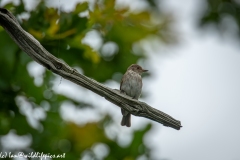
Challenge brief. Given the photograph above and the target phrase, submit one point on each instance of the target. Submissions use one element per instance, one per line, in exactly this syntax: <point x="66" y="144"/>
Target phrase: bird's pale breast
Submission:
<point x="132" y="84"/>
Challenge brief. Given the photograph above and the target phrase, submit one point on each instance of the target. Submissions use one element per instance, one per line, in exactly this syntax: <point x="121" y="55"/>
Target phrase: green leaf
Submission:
<point x="80" y="7"/>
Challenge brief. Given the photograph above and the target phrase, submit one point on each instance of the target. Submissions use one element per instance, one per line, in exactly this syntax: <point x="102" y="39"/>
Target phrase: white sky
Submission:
<point x="198" y="84"/>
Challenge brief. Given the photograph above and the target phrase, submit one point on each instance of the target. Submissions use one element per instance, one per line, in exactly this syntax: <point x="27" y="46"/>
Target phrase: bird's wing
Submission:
<point x="121" y="82"/>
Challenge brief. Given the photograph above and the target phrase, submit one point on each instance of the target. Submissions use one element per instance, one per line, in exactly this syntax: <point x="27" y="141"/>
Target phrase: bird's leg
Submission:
<point x="122" y="92"/>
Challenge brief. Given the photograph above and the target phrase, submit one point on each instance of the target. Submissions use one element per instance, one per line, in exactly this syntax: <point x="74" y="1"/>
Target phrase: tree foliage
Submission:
<point x="216" y="11"/>
<point x="21" y="98"/>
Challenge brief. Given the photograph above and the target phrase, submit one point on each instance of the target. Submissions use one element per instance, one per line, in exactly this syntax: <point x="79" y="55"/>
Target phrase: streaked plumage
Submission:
<point x="131" y="85"/>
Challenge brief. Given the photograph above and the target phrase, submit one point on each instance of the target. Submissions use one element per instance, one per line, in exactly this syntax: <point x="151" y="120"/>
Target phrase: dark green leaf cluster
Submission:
<point x="216" y="11"/>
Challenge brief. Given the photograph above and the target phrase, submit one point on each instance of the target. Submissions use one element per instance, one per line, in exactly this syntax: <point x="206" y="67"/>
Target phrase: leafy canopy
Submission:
<point x="24" y="98"/>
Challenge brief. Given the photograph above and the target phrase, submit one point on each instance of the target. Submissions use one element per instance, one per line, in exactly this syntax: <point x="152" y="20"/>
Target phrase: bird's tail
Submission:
<point x="126" y="119"/>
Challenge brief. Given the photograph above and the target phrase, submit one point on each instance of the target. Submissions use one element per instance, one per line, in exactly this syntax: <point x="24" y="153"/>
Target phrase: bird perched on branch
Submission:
<point x="131" y="85"/>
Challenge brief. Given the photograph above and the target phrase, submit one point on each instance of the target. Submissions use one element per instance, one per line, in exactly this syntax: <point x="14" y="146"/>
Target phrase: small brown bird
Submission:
<point x="131" y="85"/>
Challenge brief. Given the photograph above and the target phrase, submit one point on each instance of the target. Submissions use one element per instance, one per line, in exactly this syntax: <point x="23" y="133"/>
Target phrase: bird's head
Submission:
<point x="136" y="68"/>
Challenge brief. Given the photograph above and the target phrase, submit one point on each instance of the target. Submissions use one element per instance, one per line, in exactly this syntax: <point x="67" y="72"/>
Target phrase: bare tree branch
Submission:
<point x="38" y="53"/>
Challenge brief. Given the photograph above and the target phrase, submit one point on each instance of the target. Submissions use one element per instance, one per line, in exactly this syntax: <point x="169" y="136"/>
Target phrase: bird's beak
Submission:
<point x="144" y="70"/>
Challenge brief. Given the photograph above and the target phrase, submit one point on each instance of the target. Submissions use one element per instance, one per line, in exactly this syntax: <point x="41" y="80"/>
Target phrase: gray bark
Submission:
<point x="39" y="54"/>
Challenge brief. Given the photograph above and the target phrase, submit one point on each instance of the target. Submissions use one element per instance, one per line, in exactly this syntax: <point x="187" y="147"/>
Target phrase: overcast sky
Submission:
<point x="198" y="84"/>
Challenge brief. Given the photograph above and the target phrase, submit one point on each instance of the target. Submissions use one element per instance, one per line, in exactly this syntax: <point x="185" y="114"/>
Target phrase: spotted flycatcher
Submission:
<point x="131" y="85"/>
